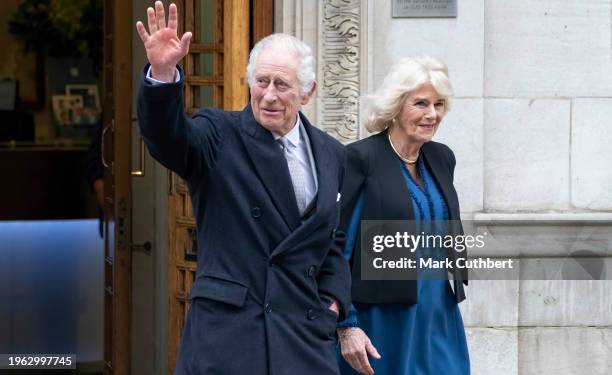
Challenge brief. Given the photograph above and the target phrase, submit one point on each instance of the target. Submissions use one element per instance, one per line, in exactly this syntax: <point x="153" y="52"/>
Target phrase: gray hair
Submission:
<point x="306" y="69"/>
<point x="406" y="76"/>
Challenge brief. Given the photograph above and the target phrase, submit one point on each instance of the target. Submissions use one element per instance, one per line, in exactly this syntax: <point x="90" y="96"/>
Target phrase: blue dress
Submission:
<point x="426" y="338"/>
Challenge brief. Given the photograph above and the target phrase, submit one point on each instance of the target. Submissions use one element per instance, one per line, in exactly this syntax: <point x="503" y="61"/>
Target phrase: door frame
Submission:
<point x="116" y="142"/>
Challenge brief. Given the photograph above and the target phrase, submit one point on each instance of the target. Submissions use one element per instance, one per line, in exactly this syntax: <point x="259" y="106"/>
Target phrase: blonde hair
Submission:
<point x="407" y="75"/>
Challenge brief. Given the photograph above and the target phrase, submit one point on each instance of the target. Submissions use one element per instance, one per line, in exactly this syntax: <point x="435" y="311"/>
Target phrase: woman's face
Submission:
<point x="421" y="114"/>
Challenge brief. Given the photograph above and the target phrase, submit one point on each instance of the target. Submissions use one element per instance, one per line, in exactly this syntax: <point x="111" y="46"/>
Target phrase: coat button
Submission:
<point x="337" y="235"/>
<point x="256" y="212"/>
<point x="268" y="308"/>
<point x="311" y="314"/>
<point x="312" y="270"/>
<point x="274" y="262"/>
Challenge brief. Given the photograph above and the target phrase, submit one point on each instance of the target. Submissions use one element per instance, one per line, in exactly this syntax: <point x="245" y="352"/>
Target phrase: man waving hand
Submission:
<point x="271" y="280"/>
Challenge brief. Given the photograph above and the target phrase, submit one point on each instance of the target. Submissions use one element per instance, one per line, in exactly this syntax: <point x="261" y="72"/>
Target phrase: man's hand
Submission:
<point x="355" y="347"/>
<point x="164" y="48"/>
<point x="335" y="307"/>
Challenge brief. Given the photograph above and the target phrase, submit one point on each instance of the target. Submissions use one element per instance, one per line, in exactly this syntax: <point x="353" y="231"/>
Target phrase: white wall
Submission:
<point x="533" y="81"/>
<point x="530" y="128"/>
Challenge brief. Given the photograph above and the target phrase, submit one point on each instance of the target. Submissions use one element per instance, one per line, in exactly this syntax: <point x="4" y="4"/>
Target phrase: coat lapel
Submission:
<point x="439" y="173"/>
<point x="322" y="159"/>
<point x="325" y="196"/>
<point x="396" y="202"/>
<point x="271" y="166"/>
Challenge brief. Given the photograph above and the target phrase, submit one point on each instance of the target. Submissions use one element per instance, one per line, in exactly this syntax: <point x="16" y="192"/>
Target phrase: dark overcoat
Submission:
<point x="372" y="168"/>
<point x="262" y="269"/>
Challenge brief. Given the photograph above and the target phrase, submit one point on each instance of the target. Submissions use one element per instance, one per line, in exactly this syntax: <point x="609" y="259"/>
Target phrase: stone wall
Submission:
<point x="530" y="127"/>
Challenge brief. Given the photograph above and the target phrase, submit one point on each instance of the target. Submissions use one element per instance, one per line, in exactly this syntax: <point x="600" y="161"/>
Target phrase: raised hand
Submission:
<point x="164" y="48"/>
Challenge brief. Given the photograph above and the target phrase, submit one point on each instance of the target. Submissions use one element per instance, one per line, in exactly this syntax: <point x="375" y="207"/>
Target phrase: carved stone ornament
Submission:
<point x="339" y="105"/>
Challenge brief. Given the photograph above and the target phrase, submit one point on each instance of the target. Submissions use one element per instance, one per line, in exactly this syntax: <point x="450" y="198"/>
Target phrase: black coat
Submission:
<point x="257" y="306"/>
<point x="372" y="167"/>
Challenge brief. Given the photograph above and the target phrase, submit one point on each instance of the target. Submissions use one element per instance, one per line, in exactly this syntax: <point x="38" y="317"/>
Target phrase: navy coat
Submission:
<point x="372" y="167"/>
<point x="256" y="301"/>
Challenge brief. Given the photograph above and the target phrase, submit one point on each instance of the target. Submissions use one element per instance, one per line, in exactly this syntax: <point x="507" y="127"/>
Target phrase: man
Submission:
<point x="271" y="280"/>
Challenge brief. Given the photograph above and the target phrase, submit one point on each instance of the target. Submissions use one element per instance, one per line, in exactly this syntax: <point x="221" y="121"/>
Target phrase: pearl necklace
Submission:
<point x="405" y="160"/>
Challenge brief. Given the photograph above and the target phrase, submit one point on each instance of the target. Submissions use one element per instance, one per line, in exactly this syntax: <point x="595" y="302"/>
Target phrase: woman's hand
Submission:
<point x="164" y="48"/>
<point x="355" y="346"/>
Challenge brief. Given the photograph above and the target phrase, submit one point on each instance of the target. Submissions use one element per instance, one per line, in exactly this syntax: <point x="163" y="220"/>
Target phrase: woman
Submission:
<point x="400" y="174"/>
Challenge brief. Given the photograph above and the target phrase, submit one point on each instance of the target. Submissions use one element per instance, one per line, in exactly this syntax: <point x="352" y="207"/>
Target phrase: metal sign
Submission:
<point x="424" y="8"/>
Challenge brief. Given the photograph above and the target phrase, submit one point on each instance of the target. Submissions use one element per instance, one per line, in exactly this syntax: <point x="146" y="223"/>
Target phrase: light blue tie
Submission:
<point x="298" y="177"/>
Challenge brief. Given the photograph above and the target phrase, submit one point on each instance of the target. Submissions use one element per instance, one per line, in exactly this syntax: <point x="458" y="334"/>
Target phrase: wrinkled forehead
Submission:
<point x="273" y="59"/>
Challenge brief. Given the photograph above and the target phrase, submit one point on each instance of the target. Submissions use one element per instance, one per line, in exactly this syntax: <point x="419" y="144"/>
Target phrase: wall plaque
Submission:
<point x="424" y="8"/>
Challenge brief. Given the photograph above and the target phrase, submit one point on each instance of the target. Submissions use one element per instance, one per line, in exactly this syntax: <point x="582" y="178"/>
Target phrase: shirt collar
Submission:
<point x="293" y="137"/>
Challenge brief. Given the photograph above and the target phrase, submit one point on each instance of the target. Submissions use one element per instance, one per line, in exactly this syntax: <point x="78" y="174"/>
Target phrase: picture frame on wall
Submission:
<point x="89" y="113"/>
<point x="88" y="92"/>
<point x="64" y="107"/>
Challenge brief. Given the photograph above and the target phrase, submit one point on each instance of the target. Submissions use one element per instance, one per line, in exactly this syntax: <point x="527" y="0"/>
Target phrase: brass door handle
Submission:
<point x="140" y="172"/>
<point x="110" y="165"/>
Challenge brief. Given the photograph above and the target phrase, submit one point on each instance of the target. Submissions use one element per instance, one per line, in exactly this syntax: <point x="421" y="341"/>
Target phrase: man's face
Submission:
<point x="275" y="92"/>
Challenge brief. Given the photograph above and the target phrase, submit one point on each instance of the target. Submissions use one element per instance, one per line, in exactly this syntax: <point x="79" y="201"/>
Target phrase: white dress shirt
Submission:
<point x="177" y="77"/>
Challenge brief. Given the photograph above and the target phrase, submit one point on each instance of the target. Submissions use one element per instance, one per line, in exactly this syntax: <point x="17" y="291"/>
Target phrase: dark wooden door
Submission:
<point x="116" y="150"/>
